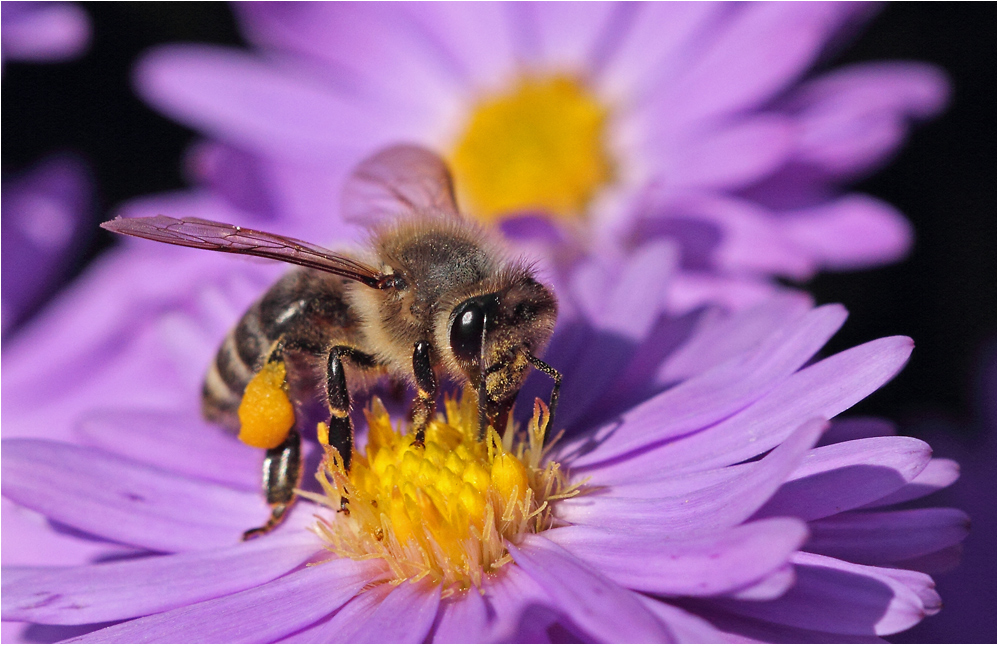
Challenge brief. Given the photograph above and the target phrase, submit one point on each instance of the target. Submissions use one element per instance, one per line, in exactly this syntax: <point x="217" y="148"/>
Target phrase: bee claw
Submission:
<point x="278" y="512"/>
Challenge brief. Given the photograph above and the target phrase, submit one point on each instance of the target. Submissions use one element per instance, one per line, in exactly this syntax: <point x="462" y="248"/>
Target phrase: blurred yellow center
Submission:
<point x="539" y="147"/>
<point x="444" y="510"/>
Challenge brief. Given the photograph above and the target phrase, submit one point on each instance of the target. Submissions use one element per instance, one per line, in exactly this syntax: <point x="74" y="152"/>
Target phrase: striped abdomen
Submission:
<point x="308" y="309"/>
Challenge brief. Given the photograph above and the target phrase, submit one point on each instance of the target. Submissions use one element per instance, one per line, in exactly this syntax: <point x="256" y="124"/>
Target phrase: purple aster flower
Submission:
<point x="699" y="494"/>
<point x="43" y="31"/>
<point x="45" y="226"/>
<point x="623" y="121"/>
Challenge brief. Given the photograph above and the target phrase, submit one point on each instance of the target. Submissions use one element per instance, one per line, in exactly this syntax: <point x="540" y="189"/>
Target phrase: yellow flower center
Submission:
<point x="539" y="147"/>
<point x="443" y="510"/>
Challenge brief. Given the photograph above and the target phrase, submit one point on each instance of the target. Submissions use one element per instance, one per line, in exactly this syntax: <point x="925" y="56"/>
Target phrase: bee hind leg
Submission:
<point x="282" y="474"/>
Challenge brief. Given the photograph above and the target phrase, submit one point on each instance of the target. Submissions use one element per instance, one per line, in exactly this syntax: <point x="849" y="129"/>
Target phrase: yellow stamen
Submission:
<point x="265" y="412"/>
<point x="443" y="510"/>
<point x="539" y="147"/>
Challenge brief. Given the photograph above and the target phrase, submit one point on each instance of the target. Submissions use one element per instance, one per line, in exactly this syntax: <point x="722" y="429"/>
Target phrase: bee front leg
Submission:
<point x="553" y="402"/>
<point x="426" y="389"/>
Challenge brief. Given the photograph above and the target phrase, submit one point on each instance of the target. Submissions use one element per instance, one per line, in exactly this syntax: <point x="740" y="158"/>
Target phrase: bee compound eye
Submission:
<point x="467" y="326"/>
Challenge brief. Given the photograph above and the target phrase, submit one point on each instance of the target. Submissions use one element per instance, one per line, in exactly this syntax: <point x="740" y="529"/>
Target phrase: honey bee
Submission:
<point x="434" y="295"/>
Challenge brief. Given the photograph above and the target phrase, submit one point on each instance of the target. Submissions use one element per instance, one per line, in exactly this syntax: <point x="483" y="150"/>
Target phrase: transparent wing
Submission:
<point x="398" y="180"/>
<point x="228" y="238"/>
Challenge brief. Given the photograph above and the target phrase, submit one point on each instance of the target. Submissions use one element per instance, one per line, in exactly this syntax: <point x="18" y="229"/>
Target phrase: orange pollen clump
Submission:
<point x="265" y="412"/>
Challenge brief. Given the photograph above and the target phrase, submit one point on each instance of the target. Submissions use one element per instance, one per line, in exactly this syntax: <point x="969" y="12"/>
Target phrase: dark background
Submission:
<point x="943" y="180"/>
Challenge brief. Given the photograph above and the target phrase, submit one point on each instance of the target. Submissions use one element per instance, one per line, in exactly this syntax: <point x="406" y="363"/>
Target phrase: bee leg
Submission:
<point x="553" y="402"/>
<point x="341" y="430"/>
<point x="426" y="390"/>
<point x="282" y="474"/>
<point x="341" y="436"/>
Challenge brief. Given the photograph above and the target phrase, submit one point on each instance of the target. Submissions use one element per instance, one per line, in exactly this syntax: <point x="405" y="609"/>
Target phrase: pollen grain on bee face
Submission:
<point x="443" y="510"/>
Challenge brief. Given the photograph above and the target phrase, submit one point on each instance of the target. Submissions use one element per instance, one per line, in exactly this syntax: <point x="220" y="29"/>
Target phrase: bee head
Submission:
<point x="492" y="336"/>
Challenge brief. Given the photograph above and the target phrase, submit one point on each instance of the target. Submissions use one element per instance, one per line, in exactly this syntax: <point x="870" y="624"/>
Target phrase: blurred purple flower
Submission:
<point x="45" y="226"/>
<point x="716" y="138"/>
<point x="682" y="534"/>
<point x="43" y="31"/>
<point x="46" y="209"/>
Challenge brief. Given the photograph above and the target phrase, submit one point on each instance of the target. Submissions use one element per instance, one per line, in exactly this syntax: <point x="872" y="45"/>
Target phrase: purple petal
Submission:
<point x="732" y="156"/>
<point x="181" y="443"/>
<point x="723" y="390"/>
<point x="754" y="631"/>
<point x="853" y="118"/>
<point x="656" y="47"/>
<point x="603" y="609"/>
<point x="236" y="175"/>
<point x="262" y="614"/>
<point x="608" y="298"/>
<point x="690" y="290"/>
<point x="823" y="389"/>
<point x="511" y="597"/>
<point x="838" y="597"/>
<point x="851" y="232"/>
<point x="570" y="34"/>
<point x="739" y="236"/>
<point x="693" y="505"/>
<point x="919" y="583"/>
<point x="463" y="619"/>
<point x="48" y="31"/>
<point x="688" y="628"/>
<point x="372" y="53"/>
<point x="719" y="563"/>
<point x="723" y="337"/>
<point x="261" y="107"/>
<point x="848" y="475"/>
<point x="883" y="538"/>
<point x="939" y="473"/>
<point x="942" y="562"/>
<point x="772" y="586"/>
<point x="754" y="55"/>
<point x="120" y="590"/>
<point x="124" y="501"/>
<point x="479" y="37"/>
<point x="620" y="316"/>
<point x="404" y="617"/>
<point x="345" y="622"/>
<point x="29" y="539"/>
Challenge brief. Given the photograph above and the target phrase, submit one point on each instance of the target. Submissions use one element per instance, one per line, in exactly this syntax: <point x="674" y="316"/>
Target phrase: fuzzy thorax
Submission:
<point x="445" y="510"/>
